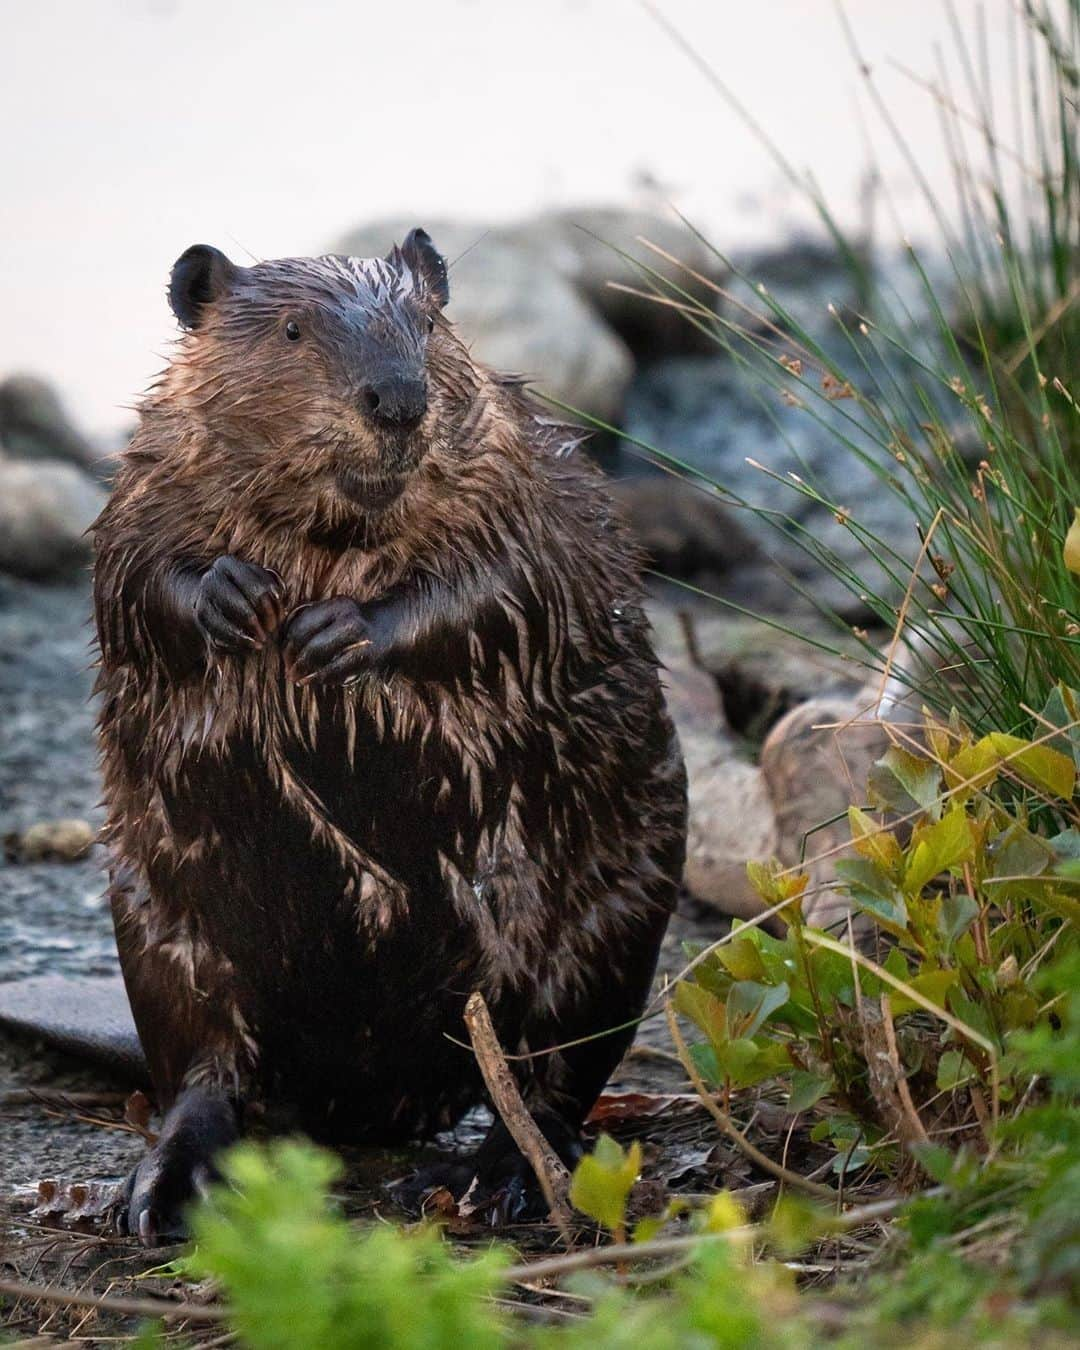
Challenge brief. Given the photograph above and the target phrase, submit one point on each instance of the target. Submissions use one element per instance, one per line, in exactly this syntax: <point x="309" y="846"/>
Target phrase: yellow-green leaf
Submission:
<point x="975" y="765"/>
<point x="1042" y="767"/>
<point x="603" y="1179"/>
<point x="871" y="841"/>
<point x="741" y="959"/>
<point x="933" y="985"/>
<point x="723" y="1213"/>
<point x="940" y="847"/>
<point x="1071" y="552"/>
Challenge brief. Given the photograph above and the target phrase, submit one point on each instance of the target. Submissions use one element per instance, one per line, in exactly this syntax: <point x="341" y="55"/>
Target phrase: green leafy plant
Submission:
<point x="295" y="1275"/>
<point x="966" y="890"/>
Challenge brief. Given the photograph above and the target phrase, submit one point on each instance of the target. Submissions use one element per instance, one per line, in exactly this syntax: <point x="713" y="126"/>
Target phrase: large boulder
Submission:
<point x="601" y="250"/>
<point x="46" y="507"/>
<point x="517" y="313"/>
<point x="815" y="764"/>
<point x="684" y="532"/>
<point x="731" y="814"/>
<point x="35" y="425"/>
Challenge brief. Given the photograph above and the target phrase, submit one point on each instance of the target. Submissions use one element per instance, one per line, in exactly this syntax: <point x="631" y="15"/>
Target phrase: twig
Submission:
<point x="671" y="1246"/>
<point x="550" y="1170"/>
<point x="123" y="1307"/>
<point x="55" y="1097"/>
<point x="732" y="1131"/>
<point x="916" y="1130"/>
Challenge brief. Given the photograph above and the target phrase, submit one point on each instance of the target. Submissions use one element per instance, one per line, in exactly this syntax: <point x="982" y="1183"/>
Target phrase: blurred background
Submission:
<point x="137" y="127"/>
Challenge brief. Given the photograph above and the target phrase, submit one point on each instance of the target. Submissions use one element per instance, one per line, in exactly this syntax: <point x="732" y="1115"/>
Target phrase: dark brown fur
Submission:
<point x="308" y="879"/>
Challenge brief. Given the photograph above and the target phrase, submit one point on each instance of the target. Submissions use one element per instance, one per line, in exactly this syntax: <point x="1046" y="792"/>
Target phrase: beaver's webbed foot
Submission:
<point x="201" y="1123"/>
<point x="496" y="1183"/>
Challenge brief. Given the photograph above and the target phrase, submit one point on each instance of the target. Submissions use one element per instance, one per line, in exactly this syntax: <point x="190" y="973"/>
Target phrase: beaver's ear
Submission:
<point x="200" y="275"/>
<point x="426" y="261"/>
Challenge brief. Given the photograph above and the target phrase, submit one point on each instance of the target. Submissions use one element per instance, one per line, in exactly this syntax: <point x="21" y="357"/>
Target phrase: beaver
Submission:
<point x="380" y="725"/>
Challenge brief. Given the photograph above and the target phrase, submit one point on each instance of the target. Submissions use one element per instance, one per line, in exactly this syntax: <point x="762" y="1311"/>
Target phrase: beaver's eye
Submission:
<point x="431" y="325"/>
<point x="292" y="331"/>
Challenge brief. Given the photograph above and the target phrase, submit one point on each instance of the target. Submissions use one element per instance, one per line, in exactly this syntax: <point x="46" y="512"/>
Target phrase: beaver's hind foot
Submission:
<point x="496" y="1183"/>
<point x="200" y="1125"/>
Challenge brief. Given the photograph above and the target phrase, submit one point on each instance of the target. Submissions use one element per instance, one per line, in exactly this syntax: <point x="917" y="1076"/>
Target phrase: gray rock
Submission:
<point x="761" y="672"/>
<point x="65" y="840"/>
<point x="517" y="313"/>
<point x="46" y="507"/>
<point x="35" y="425"/>
<point x="588" y="246"/>
<point x="684" y="532"/>
<point x="89" y="1018"/>
<point x="706" y="412"/>
<point x="815" y="764"/>
<point x="731" y="816"/>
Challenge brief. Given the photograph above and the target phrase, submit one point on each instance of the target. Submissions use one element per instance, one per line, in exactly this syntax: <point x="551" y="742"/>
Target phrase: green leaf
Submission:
<point x="1062" y="709"/>
<point x="749" y="1004"/>
<point x="1048" y="770"/>
<point x="849" y="1159"/>
<point x="874" y="893"/>
<point x="744" y="1062"/>
<point x="603" y="1179"/>
<point x="932" y="984"/>
<point x="896" y="964"/>
<point x="807" y="1088"/>
<point x="1066" y="846"/>
<point x="919" y="777"/>
<point x="936" y="1159"/>
<point x="953" y="1070"/>
<point x="940" y="847"/>
<point x="955" y="917"/>
<point x="705" y="1061"/>
<point x="1019" y="858"/>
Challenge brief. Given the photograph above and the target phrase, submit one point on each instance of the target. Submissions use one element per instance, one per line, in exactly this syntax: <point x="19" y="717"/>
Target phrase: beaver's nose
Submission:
<point x="397" y="401"/>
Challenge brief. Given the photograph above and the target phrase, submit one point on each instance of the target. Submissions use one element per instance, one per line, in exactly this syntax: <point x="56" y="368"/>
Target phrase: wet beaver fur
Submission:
<point x="380" y="725"/>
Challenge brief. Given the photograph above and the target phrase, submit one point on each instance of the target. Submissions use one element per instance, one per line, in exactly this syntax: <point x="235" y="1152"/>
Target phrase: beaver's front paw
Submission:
<point x="334" y="641"/>
<point x="238" y="605"/>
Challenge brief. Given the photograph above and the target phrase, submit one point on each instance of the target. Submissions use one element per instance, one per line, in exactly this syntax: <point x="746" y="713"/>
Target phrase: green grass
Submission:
<point x="966" y="412"/>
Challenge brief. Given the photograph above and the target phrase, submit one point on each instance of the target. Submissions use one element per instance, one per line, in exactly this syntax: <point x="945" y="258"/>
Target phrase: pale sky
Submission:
<point x="136" y="127"/>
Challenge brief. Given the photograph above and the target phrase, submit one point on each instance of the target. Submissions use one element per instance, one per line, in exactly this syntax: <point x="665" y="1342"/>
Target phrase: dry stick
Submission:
<point x="55" y="1096"/>
<point x="550" y="1171"/>
<point x="646" y="1251"/>
<point x="916" y="1129"/>
<point x="729" y="1127"/>
<point x="124" y="1307"/>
